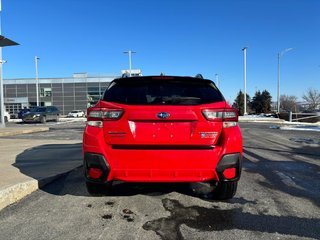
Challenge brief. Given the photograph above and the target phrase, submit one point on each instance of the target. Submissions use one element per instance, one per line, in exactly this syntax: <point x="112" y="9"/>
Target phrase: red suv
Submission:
<point x="162" y="129"/>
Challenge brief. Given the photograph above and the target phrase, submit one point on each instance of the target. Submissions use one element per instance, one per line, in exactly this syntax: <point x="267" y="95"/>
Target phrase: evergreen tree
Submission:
<point x="266" y="101"/>
<point x="261" y="102"/>
<point x="256" y="103"/>
<point x="238" y="102"/>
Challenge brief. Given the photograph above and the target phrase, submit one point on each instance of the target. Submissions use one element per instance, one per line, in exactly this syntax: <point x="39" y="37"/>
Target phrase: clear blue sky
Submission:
<point x="177" y="37"/>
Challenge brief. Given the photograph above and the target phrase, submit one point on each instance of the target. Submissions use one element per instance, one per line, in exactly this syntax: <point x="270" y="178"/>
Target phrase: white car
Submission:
<point x="76" y="113"/>
<point x="6" y="116"/>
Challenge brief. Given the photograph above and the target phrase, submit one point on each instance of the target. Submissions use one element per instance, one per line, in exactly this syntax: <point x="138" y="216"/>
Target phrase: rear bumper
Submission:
<point x="160" y="173"/>
<point x="154" y="166"/>
<point x="160" y="164"/>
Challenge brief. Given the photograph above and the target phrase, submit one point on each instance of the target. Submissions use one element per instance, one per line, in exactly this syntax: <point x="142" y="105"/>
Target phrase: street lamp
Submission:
<point x="37" y="79"/>
<point x="4" y="42"/>
<point x="278" y="95"/>
<point x="245" y="80"/>
<point x="129" y="53"/>
<point x="217" y="80"/>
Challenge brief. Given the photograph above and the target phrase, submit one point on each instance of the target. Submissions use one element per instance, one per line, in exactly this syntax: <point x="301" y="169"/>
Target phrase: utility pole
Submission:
<point x="217" y="80"/>
<point x="130" y="53"/>
<point x="278" y="94"/>
<point x="1" y="89"/>
<point x="37" y="79"/>
<point x="245" y="80"/>
<point x="4" y="42"/>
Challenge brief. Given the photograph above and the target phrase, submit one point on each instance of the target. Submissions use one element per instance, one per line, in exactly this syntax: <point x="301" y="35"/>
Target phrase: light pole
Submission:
<point x="1" y="91"/>
<point x="129" y="53"/>
<point x="37" y="79"/>
<point x="217" y="80"/>
<point x="4" y="42"/>
<point x="245" y="80"/>
<point x="278" y="94"/>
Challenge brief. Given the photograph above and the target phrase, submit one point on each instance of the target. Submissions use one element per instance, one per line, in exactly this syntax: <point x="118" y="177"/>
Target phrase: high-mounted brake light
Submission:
<point x="228" y="116"/>
<point x="162" y="77"/>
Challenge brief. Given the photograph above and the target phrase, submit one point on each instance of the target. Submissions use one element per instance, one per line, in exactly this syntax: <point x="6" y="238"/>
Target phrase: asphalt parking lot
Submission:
<point x="277" y="198"/>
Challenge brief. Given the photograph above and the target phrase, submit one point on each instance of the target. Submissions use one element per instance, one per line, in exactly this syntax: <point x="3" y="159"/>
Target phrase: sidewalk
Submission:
<point x="28" y="164"/>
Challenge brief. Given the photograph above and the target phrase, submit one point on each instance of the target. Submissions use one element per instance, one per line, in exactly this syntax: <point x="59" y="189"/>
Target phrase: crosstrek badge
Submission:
<point x="208" y="134"/>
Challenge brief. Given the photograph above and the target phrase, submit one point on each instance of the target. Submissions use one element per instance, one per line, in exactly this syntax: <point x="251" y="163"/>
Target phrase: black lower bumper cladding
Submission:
<point x="229" y="161"/>
<point x="93" y="160"/>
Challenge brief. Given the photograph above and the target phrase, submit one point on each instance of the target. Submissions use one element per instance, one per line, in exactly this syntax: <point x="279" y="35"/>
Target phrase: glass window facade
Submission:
<point x="66" y="94"/>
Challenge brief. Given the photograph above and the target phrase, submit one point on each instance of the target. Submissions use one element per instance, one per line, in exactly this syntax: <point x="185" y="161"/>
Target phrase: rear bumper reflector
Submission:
<point x="95" y="173"/>
<point x="230" y="173"/>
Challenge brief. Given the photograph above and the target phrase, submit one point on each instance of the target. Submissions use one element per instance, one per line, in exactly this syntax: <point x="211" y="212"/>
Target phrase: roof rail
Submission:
<point x="199" y="76"/>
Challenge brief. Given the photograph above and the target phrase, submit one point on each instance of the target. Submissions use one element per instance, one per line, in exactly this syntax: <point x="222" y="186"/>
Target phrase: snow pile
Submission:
<point x="280" y="123"/>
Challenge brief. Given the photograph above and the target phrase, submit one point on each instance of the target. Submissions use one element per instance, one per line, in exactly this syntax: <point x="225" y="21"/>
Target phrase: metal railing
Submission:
<point x="304" y="116"/>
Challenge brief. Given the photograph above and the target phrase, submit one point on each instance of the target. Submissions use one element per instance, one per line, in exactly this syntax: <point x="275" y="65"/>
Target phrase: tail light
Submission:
<point x="97" y="116"/>
<point x="228" y="116"/>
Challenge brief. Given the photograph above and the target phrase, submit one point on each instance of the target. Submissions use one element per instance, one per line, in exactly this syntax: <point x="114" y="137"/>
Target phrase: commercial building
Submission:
<point x="77" y="92"/>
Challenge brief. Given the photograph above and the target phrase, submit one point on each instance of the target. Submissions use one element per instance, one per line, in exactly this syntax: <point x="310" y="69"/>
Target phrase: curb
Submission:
<point x="12" y="132"/>
<point x="262" y="120"/>
<point x="16" y="192"/>
<point x="13" y="194"/>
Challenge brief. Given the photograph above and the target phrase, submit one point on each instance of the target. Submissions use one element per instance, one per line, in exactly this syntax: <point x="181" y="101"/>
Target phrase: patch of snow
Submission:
<point x="283" y="125"/>
<point x="301" y="128"/>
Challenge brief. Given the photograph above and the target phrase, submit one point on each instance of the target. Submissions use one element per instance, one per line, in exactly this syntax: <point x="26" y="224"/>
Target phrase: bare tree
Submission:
<point x="312" y="97"/>
<point x="288" y="103"/>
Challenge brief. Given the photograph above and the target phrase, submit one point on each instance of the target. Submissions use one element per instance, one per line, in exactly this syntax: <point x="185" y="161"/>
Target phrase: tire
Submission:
<point x="43" y="119"/>
<point x="225" y="190"/>
<point x="98" y="189"/>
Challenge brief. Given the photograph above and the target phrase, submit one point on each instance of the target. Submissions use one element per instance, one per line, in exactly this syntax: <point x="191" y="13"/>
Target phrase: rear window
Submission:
<point x="158" y="92"/>
<point x="41" y="109"/>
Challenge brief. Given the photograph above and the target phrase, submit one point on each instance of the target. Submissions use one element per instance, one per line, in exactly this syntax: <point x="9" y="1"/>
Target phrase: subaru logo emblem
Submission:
<point x="163" y="115"/>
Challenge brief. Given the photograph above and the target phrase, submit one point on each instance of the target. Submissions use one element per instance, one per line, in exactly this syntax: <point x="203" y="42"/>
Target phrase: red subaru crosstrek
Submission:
<point x="162" y="129"/>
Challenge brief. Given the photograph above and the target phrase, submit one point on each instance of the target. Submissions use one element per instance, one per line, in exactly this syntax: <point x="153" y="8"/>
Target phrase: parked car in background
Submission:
<point x="22" y="112"/>
<point x="42" y="114"/>
<point x="76" y="113"/>
<point x="14" y="115"/>
<point x="163" y="129"/>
